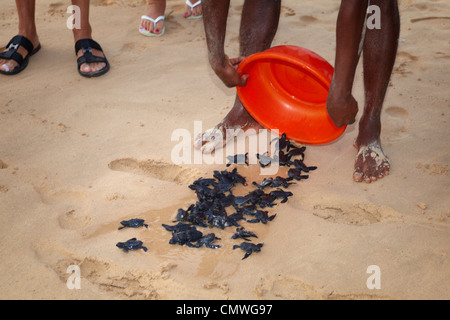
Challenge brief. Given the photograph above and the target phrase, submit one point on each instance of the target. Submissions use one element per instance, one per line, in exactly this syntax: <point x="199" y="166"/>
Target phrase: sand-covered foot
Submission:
<point x="220" y="135"/>
<point x="212" y="139"/>
<point x="371" y="163"/>
<point x="236" y="122"/>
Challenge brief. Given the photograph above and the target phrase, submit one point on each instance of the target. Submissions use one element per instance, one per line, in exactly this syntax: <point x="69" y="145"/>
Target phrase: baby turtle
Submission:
<point x="249" y="248"/>
<point x="131" y="245"/>
<point x="281" y="194"/>
<point x="206" y="241"/>
<point x="133" y="223"/>
<point x="280" y="182"/>
<point x="293" y="152"/>
<point x="180" y="227"/>
<point x="283" y="159"/>
<point x="185" y="237"/>
<point x="300" y="165"/>
<point x="223" y="221"/>
<point x="296" y="174"/>
<point x="238" y="159"/>
<point x="282" y="142"/>
<point x="267" y="182"/>
<point x="243" y="234"/>
<point x="227" y="177"/>
<point x="264" y="159"/>
<point x="261" y="216"/>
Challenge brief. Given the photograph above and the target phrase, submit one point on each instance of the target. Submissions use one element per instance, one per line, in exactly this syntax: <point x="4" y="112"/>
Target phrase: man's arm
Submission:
<point x="215" y="15"/>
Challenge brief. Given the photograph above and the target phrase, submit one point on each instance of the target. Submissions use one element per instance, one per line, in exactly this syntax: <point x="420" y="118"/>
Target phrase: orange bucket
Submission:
<point x="287" y="90"/>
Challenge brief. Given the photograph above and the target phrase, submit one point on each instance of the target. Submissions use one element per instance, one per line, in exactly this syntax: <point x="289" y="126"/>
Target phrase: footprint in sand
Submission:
<point x="135" y="48"/>
<point x="105" y="3"/>
<point x="292" y="288"/>
<point x="72" y="220"/>
<point x="57" y="8"/>
<point x="358" y="214"/>
<point x="157" y="169"/>
<point x="115" y="280"/>
<point x="308" y="19"/>
<point x="285" y="287"/>
<point x="402" y="64"/>
<point x="3" y="165"/>
<point x="287" y="12"/>
<point x="394" y="121"/>
<point x="101" y="273"/>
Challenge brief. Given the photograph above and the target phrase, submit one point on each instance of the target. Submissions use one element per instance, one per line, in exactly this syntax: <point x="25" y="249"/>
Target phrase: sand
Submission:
<point x="79" y="155"/>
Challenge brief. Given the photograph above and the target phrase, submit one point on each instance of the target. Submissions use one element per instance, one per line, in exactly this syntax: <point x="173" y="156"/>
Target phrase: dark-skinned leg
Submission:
<point x="259" y="23"/>
<point x="27" y="28"/>
<point x="85" y="32"/>
<point x="341" y="104"/>
<point x="380" y="49"/>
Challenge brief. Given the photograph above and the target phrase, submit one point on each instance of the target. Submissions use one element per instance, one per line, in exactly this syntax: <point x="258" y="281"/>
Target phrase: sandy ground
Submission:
<point x="79" y="155"/>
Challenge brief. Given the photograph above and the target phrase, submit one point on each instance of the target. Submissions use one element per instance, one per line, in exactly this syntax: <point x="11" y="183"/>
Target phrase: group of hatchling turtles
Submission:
<point x="215" y="195"/>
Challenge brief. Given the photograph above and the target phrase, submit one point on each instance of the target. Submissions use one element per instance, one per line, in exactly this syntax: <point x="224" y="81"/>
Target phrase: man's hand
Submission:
<point x="229" y="74"/>
<point x="341" y="108"/>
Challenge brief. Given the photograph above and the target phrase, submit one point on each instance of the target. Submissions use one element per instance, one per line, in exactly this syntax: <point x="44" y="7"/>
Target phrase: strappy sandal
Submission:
<point x="86" y="45"/>
<point x="147" y="33"/>
<point x="12" y="54"/>
<point x="192" y="6"/>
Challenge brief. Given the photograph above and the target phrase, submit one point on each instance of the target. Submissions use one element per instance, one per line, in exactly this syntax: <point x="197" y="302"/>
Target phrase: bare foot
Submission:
<point x="155" y="9"/>
<point x="238" y="120"/>
<point x="371" y="163"/>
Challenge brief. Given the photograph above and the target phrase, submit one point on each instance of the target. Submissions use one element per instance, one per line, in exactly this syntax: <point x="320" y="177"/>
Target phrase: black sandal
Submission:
<point x="87" y="45"/>
<point x="12" y="54"/>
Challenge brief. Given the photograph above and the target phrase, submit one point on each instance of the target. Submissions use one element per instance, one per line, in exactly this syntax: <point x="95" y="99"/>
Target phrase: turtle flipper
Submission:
<point x="247" y="253"/>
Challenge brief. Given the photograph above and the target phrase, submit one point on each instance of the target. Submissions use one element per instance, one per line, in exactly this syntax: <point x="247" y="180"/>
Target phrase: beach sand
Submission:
<point x="79" y="155"/>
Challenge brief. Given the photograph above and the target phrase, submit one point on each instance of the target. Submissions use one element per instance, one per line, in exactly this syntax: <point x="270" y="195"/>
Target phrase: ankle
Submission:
<point x="369" y="131"/>
<point x="82" y="33"/>
<point x="30" y="33"/>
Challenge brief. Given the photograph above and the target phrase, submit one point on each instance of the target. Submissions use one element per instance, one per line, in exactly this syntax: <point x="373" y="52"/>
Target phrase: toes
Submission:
<point x="4" y="67"/>
<point x="357" y="176"/>
<point x="367" y="177"/>
<point x="147" y="25"/>
<point x="370" y="175"/>
<point x="209" y="147"/>
<point x="92" y="67"/>
<point x="7" y="65"/>
<point x="198" y="141"/>
<point x="210" y="140"/>
<point x="197" y="11"/>
<point x="86" y="68"/>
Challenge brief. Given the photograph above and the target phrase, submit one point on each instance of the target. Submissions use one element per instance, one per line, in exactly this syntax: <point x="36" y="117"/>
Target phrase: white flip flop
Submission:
<point x="192" y="6"/>
<point x="147" y="33"/>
